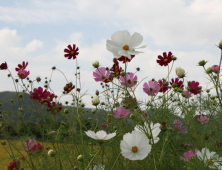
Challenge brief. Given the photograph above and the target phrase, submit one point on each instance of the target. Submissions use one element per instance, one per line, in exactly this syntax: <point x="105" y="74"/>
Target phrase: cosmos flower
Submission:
<point x="202" y="119"/>
<point x="178" y="125"/>
<point x="98" y="167"/>
<point x="211" y="159"/>
<point x="68" y="88"/>
<point x="72" y="51"/>
<point x="178" y="83"/>
<point x="100" y="135"/>
<point x="116" y="70"/>
<point x="121" y="112"/>
<point x="135" y="146"/>
<point x="14" y="165"/>
<point x="129" y="80"/>
<point x="165" y="60"/>
<point x="180" y="72"/>
<point x="23" y="73"/>
<point x="151" y="88"/>
<point x="155" y="130"/>
<point x="163" y="87"/>
<point x="123" y="44"/>
<point x="101" y="74"/>
<point x="194" y="87"/>
<point x="187" y="94"/>
<point x="21" y="67"/>
<point x="125" y="59"/>
<point x="3" y="66"/>
<point x="215" y="68"/>
<point x="28" y="145"/>
<point x="188" y="155"/>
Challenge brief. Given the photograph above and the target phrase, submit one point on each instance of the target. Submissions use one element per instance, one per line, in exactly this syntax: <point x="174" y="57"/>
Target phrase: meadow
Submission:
<point x="177" y="127"/>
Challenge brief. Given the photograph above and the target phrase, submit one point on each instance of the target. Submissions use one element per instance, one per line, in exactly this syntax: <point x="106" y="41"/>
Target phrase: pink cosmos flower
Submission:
<point x="178" y="125"/>
<point x="130" y="78"/>
<point x="215" y="68"/>
<point x="23" y="74"/>
<point x="28" y="145"/>
<point x="52" y="132"/>
<point x="187" y="94"/>
<point x="203" y="119"/>
<point x="21" y="67"/>
<point x="188" y="155"/>
<point x="121" y="112"/>
<point x="151" y="88"/>
<point x="101" y="74"/>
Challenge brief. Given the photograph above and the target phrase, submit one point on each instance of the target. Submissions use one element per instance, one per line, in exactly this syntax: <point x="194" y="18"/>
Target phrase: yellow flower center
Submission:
<point x="72" y="52"/>
<point x="151" y="89"/>
<point x="126" y="47"/>
<point x="121" y="115"/>
<point x="210" y="162"/>
<point x="116" y="67"/>
<point x="22" y="74"/>
<point x="134" y="149"/>
<point x="165" y="60"/>
<point x="39" y="95"/>
<point x="69" y="89"/>
<point x="117" y="73"/>
<point x="22" y="68"/>
<point x="129" y="81"/>
<point x="103" y="77"/>
<point x="204" y="121"/>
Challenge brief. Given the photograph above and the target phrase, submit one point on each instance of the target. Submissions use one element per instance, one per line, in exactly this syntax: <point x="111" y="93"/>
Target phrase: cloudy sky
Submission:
<point x="37" y="31"/>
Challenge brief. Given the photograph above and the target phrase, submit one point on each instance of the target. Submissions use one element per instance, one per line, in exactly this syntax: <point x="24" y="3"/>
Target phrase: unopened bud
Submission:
<point x="209" y="70"/>
<point x="95" y="64"/>
<point x="52" y="153"/>
<point x="80" y="158"/>
<point x="202" y="63"/>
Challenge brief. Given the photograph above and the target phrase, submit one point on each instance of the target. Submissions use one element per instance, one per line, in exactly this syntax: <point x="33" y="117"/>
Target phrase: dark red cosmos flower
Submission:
<point x="42" y="96"/>
<point x="165" y="60"/>
<point x="72" y="52"/>
<point x="14" y="165"/>
<point x="115" y="69"/>
<point x="21" y="67"/>
<point x="123" y="59"/>
<point x="68" y="88"/>
<point x="163" y="87"/>
<point x="194" y="87"/>
<point x="37" y="148"/>
<point x="54" y="108"/>
<point x="178" y="82"/>
<point x="3" y="66"/>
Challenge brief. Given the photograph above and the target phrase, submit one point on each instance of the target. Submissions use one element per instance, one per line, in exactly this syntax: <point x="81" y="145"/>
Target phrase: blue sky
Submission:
<point x="37" y="31"/>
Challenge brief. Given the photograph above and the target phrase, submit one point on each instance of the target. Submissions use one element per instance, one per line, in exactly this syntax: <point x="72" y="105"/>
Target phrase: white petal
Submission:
<point x="109" y="136"/>
<point x="91" y="134"/>
<point x="134" y="52"/>
<point x="136" y="39"/>
<point x="123" y="53"/>
<point x="101" y="134"/>
<point x="143" y="46"/>
<point x="121" y="38"/>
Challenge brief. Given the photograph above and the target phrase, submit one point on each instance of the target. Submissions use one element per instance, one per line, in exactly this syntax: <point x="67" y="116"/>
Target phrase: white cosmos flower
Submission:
<point x="146" y="130"/>
<point x="100" y="135"/>
<point x="98" y="167"/>
<point x="135" y="146"/>
<point x="123" y="44"/>
<point x="211" y="159"/>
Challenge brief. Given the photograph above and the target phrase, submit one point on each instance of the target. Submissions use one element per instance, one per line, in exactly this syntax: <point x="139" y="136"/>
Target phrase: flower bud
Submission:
<point x="132" y="116"/>
<point x="138" y="69"/>
<point x="220" y="44"/>
<point x="93" y="111"/>
<point x="209" y="70"/>
<point x="174" y="58"/>
<point x="215" y="68"/>
<point x="20" y="95"/>
<point x="208" y="90"/>
<point x="80" y="158"/>
<point x="180" y="72"/>
<point x="163" y="126"/>
<point x="38" y="79"/>
<point x="3" y="142"/>
<point x="202" y="63"/>
<point x="12" y="101"/>
<point x="174" y="85"/>
<point x="95" y="64"/>
<point x="95" y="100"/>
<point x="123" y="73"/>
<point x="51" y="153"/>
<point x="66" y="111"/>
<point x="53" y="68"/>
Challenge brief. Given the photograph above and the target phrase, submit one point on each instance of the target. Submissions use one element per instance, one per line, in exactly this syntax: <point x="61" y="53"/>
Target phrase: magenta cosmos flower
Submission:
<point x="23" y="74"/>
<point x="151" y="88"/>
<point x="163" y="87"/>
<point x="28" y="145"/>
<point x="42" y="96"/>
<point x="178" y="125"/>
<point x="21" y="67"/>
<point x="194" y="87"/>
<point x="101" y="74"/>
<point x="178" y="83"/>
<point x="187" y="94"/>
<point x="215" y="68"/>
<point x="121" y="112"/>
<point x="72" y="51"/>
<point x="202" y="119"/>
<point x="129" y="80"/>
<point x="188" y="155"/>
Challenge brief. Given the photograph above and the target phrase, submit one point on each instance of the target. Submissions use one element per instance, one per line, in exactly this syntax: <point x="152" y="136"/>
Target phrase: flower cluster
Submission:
<point x="22" y="73"/>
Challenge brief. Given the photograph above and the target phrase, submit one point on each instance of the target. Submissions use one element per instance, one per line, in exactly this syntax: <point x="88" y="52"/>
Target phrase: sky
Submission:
<point x="38" y="31"/>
